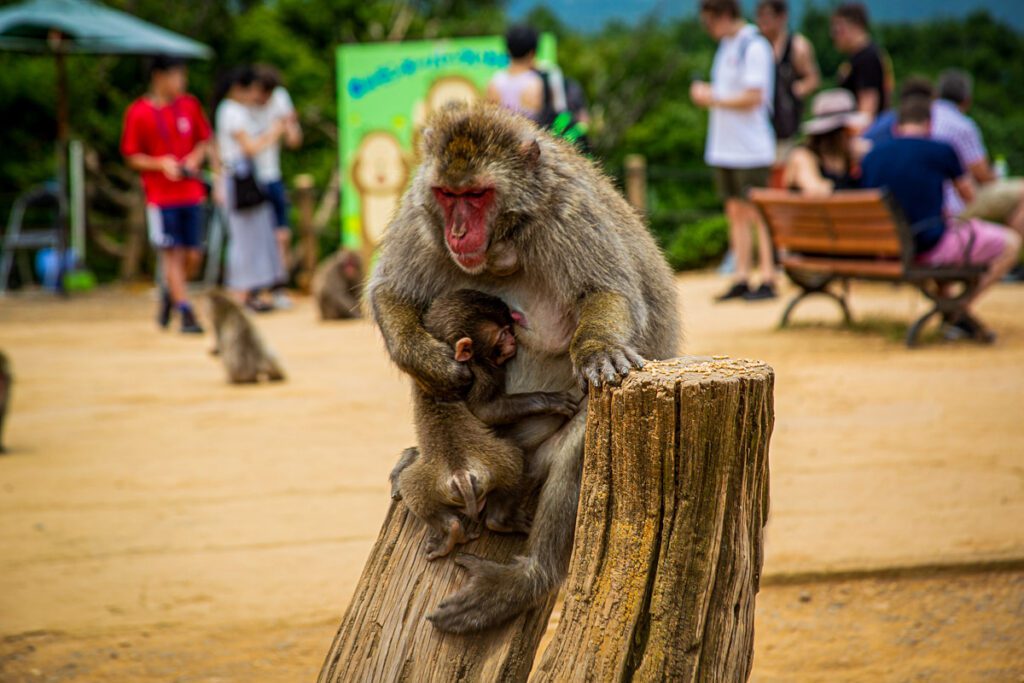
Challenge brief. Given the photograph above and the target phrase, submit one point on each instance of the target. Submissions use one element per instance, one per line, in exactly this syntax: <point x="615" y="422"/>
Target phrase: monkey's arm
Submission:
<point x="600" y="348"/>
<point x="430" y="362"/>
<point x="511" y="408"/>
<point x="407" y="458"/>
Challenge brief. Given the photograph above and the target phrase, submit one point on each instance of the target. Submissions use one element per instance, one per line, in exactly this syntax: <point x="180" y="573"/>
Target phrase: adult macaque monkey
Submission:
<point x="591" y="290"/>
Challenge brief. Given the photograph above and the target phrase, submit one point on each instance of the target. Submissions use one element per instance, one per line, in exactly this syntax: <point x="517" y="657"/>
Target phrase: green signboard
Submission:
<point x="385" y="93"/>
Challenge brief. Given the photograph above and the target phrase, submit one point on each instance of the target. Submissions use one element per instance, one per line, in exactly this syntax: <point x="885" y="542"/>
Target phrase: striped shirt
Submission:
<point x="955" y="128"/>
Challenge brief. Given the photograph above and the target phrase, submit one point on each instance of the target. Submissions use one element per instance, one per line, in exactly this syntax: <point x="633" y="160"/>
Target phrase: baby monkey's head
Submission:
<point x="478" y="326"/>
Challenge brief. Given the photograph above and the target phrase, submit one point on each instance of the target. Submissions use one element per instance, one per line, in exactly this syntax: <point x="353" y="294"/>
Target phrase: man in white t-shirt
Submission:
<point x="273" y="103"/>
<point x="741" y="141"/>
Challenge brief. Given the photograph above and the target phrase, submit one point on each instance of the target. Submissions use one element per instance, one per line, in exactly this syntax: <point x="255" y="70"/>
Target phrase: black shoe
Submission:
<point x="258" y="305"/>
<point x="739" y="290"/>
<point x="189" y="324"/>
<point x="163" y="315"/>
<point x="1015" y="275"/>
<point x="966" y="327"/>
<point x="765" y="291"/>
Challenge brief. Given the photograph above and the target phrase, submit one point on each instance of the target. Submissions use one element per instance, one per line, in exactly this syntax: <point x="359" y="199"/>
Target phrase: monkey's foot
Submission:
<point x="509" y="521"/>
<point x="439" y="544"/>
<point x="608" y="366"/>
<point x="494" y="594"/>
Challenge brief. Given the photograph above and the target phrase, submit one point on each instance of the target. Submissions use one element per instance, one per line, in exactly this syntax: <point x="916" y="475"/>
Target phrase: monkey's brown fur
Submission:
<point x="462" y="465"/>
<point x="246" y="357"/>
<point x="337" y="285"/>
<point x="596" y="293"/>
<point x="6" y="381"/>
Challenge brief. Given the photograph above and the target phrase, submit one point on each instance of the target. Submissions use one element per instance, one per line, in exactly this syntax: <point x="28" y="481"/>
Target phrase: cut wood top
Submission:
<point x="698" y="369"/>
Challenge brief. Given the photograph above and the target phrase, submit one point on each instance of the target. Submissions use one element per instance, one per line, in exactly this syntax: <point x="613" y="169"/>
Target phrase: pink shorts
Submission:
<point x="989" y="243"/>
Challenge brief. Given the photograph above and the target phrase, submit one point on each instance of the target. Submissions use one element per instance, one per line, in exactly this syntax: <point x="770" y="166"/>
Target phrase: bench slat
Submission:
<point x="880" y="269"/>
<point x="838" y="232"/>
<point x="846" y="247"/>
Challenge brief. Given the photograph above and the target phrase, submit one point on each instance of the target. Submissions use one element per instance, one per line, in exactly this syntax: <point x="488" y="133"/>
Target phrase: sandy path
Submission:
<point x="143" y="494"/>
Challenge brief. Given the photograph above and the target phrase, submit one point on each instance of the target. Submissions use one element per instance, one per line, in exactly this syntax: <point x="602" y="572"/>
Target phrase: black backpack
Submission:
<point x="788" y="111"/>
<point x="561" y="123"/>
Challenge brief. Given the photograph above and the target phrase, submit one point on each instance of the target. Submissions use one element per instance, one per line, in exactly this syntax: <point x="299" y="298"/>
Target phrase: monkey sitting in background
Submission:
<point x="6" y="379"/>
<point x="246" y="357"/>
<point x="337" y="285"/>
<point x="462" y="464"/>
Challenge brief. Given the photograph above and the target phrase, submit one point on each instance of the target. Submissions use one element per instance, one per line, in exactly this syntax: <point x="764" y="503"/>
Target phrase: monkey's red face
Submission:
<point x="467" y="213"/>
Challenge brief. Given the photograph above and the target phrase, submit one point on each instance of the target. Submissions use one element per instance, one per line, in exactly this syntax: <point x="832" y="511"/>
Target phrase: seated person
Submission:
<point x="997" y="200"/>
<point x="825" y="161"/>
<point x="1000" y="200"/>
<point x="913" y="168"/>
<point x="884" y="127"/>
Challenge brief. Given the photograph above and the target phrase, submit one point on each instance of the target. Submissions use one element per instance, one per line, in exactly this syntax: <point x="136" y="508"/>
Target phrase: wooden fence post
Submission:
<point x="636" y="181"/>
<point x="668" y="550"/>
<point x="310" y="248"/>
<point x="665" y="567"/>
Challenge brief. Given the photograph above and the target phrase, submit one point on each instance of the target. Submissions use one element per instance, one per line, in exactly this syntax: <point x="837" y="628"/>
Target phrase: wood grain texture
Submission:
<point x="668" y="549"/>
<point x="384" y="636"/>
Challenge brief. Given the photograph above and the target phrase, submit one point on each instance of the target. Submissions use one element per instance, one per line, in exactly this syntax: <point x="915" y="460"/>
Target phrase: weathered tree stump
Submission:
<point x="385" y="637"/>
<point x="668" y="549"/>
<point x="665" y="567"/>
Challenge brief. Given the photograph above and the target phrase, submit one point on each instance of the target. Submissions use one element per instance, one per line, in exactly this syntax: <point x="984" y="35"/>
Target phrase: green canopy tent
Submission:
<point x="64" y="27"/>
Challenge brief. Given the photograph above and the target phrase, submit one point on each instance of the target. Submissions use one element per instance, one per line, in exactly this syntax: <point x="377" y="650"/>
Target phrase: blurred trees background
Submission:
<point x="636" y="76"/>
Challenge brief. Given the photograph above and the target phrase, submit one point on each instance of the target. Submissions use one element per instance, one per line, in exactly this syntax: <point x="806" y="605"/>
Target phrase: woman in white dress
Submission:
<point x="253" y="260"/>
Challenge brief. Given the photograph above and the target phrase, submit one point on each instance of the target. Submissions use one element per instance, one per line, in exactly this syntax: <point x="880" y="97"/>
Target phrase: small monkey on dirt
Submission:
<point x="462" y="464"/>
<point x="338" y="284"/>
<point x="246" y="357"/>
<point x="6" y="379"/>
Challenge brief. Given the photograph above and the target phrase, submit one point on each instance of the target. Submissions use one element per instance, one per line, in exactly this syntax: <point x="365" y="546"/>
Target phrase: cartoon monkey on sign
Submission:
<point x="379" y="172"/>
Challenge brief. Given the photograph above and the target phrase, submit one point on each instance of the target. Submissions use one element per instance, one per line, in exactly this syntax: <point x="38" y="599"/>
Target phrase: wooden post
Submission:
<point x="636" y="181"/>
<point x="310" y="247"/>
<point x="666" y="563"/>
<point x="668" y="550"/>
<point x="384" y="636"/>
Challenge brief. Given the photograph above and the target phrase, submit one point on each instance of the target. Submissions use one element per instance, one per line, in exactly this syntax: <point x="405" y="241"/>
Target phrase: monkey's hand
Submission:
<point x="599" y="364"/>
<point x="407" y="458"/>
<point x="428" y="361"/>
<point x="564" y="403"/>
<point x="494" y="594"/>
<point x="438" y="373"/>
<point x="600" y="348"/>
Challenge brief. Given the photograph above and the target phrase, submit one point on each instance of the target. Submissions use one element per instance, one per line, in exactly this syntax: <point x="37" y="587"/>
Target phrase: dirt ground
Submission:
<point x="157" y="524"/>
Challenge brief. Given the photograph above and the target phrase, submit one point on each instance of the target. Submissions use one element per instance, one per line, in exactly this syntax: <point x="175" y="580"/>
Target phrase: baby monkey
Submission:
<point x="461" y="464"/>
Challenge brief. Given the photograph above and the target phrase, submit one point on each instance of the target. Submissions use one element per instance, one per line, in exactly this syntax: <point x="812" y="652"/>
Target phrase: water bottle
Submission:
<point x="1000" y="167"/>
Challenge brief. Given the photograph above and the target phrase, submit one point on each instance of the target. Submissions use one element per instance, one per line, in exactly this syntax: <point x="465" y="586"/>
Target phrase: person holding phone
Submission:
<point x="166" y="138"/>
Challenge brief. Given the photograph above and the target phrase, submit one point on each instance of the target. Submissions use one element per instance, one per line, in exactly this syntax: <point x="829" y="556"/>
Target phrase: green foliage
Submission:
<point x="698" y="243"/>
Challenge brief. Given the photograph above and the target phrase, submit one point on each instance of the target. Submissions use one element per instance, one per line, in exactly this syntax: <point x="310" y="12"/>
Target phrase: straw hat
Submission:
<point x="831" y="110"/>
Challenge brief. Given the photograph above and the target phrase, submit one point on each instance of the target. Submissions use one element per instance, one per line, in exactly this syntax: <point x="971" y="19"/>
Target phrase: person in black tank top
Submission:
<point x="796" y="69"/>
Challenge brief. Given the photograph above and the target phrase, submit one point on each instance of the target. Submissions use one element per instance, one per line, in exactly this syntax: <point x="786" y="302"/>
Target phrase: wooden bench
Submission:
<point x="856" y="234"/>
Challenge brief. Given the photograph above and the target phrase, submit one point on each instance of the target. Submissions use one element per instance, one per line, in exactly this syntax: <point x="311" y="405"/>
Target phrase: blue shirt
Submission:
<point x="913" y="170"/>
<point x="882" y="130"/>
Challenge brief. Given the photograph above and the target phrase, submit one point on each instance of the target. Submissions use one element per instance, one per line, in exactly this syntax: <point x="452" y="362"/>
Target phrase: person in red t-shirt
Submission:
<point x="166" y="139"/>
